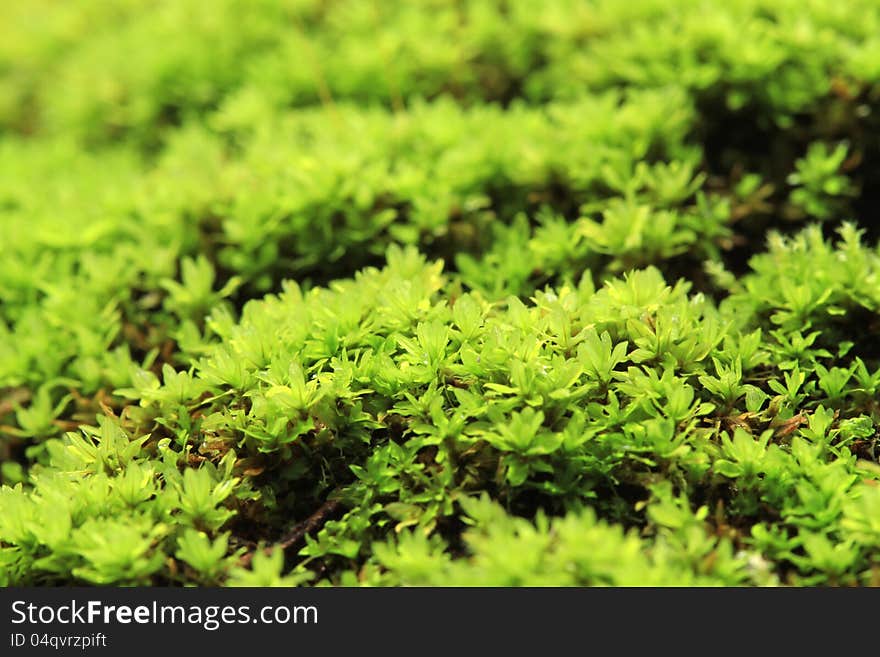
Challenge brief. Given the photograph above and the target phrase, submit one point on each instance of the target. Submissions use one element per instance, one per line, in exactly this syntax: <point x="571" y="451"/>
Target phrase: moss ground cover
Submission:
<point x="298" y="292"/>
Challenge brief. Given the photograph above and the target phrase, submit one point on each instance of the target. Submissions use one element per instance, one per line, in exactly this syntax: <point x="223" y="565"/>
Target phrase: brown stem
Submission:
<point x="298" y="532"/>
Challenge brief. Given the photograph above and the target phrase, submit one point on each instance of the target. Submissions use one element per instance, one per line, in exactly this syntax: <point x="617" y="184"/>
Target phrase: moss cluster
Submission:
<point x="448" y="292"/>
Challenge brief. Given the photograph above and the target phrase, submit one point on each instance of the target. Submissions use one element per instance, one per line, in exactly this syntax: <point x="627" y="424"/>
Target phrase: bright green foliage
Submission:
<point x="817" y="181"/>
<point x="443" y="293"/>
<point x="576" y="550"/>
<point x="805" y="282"/>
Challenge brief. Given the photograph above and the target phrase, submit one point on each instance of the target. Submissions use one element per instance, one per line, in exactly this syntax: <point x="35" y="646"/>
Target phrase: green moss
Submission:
<point x="443" y="293"/>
